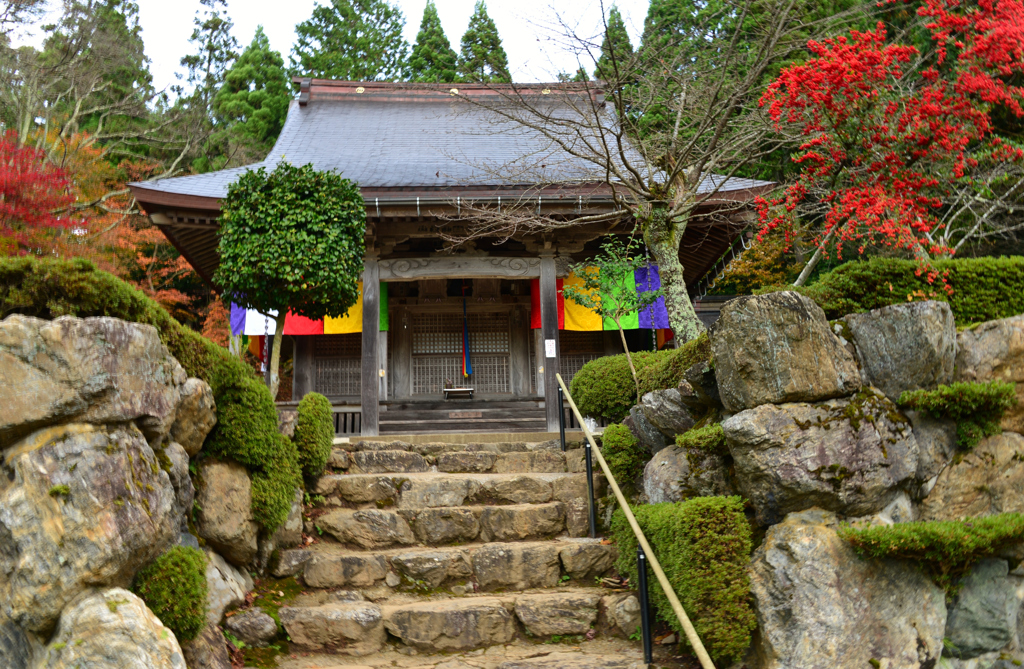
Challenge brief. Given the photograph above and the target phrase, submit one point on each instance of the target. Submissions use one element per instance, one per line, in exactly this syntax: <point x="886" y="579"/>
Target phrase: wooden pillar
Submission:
<point x="302" y="378"/>
<point x="550" y="349"/>
<point x="382" y="354"/>
<point x="538" y="358"/>
<point x="370" y="378"/>
<point x="519" y="352"/>
<point x="401" y="357"/>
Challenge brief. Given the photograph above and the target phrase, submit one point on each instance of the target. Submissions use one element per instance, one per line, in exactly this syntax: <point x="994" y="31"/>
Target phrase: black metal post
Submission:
<point x="590" y="491"/>
<point x="561" y="416"/>
<point x="645" y="609"/>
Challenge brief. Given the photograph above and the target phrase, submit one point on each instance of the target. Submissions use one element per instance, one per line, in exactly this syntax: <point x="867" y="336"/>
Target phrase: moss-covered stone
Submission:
<point x="314" y="433"/>
<point x="174" y="588"/>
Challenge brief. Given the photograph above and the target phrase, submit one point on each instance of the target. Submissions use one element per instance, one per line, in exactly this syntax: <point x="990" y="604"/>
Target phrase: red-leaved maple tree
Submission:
<point x="884" y="137"/>
<point x="33" y="192"/>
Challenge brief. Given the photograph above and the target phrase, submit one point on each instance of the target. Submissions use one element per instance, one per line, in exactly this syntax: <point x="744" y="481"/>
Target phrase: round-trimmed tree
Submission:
<point x="291" y="240"/>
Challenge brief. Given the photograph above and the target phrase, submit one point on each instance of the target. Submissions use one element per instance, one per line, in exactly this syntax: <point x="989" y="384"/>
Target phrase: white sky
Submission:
<point x="527" y="29"/>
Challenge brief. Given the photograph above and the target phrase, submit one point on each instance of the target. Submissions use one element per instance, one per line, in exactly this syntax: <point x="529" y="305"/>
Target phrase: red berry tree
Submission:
<point x="887" y="138"/>
<point x="33" y="192"/>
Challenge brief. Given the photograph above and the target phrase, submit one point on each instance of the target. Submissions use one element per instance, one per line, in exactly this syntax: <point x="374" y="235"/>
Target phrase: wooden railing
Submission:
<point x="677" y="607"/>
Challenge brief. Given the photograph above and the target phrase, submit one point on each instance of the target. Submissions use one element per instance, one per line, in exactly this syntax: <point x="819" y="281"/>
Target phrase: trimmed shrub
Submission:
<point x="174" y="588"/>
<point x="977" y="408"/>
<point x="273" y="486"/>
<point x="703" y="545"/>
<point x="625" y="456"/>
<point x="946" y="548"/>
<point x="668" y="367"/>
<point x="984" y="289"/>
<point x="709" y="439"/>
<point x="246" y="427"/>
<point x="314" y="433"/>
<point x="604" y="388"/>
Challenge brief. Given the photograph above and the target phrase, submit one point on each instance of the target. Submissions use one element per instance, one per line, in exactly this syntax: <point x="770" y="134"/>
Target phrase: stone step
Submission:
<point x="601" y="653"/>
<point x="441" y="525"/>
<point x="463" y="426"/>
<point x="461" y="405"/>
<point x="460" y="569"/>
<point x="456" y="413"/>
<point x="408" y="462"/>
<point x="434" y="447"/>
<point x="453" y="624"/>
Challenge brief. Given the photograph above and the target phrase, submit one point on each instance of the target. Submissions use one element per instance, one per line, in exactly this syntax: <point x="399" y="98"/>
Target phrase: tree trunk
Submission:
<point x="275" y="356"/>
<point x="813" y="262"/>
<point x="662" y="237"/>
<point x="629" y="358"/>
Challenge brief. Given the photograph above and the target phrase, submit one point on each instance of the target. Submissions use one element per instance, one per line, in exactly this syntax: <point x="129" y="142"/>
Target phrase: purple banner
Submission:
<point x="656" y="315"/>
<point x="237" y="320"/>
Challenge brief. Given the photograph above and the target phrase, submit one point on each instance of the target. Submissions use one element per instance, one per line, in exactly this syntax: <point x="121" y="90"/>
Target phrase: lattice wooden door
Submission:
<point x="437" y="352"/>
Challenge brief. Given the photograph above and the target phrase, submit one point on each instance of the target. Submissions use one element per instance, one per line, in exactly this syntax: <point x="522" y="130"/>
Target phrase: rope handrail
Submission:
<point x="652" y="559"/>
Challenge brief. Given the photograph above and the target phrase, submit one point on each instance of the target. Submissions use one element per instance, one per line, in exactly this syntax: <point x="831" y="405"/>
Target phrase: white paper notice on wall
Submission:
<point x="549" y="348"/>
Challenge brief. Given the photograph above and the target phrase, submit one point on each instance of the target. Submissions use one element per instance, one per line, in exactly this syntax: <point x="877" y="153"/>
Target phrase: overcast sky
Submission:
<point x="526" y="28"/>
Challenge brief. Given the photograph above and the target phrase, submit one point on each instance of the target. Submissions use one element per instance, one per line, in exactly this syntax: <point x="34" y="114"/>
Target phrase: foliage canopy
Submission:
<point x="483" y="57"/>
<point x="432" y="60"/>
<point x="352" y="40"/>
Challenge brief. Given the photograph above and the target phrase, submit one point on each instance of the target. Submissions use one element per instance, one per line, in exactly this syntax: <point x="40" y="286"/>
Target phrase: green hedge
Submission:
<point x="604" y="388"/>
<point x="984" y="289"/>
<point x="977" y="408"/>
<point x="314" y="433"/>
<point x="625" y="456"/>
<point x="946" y="548"/>
<point x="668" y="367"/>
<point x="704" y="546"/>
<point x="246" y="427"/>
<point x="174" y="588"/>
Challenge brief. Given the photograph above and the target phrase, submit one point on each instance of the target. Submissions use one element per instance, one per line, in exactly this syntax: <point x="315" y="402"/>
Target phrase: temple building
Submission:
<point x="431" y="311"/>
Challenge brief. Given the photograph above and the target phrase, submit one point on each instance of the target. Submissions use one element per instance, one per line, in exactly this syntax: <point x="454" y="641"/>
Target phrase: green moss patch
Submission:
<point x="946" y="549"/>
<point x="668" y="367"/>
<point x="604" y="388"/>
<point x="703" y="545"/>
<point x="977" y="408"/>
<point x="707" y="439"/>
<point x="174" y="588"/>
<point x="625" y="456"/>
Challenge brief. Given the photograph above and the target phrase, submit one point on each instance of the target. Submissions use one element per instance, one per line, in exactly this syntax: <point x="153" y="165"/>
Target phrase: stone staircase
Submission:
<point x="455" y="556"/>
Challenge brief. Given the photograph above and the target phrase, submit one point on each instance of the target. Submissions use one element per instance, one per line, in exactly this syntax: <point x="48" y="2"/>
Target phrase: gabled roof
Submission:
<point x="397" y="138"/>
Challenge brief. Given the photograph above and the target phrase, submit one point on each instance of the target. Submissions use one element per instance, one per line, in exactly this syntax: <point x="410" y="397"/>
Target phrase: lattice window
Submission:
<point x="337" y="376"/>
<point x="441" y="334"/>
<point x="490" y="373"/>
<point x="338" y="345"/>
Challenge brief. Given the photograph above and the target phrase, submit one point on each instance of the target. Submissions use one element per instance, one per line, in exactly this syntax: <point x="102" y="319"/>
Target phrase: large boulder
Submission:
<point x="905" y="346"/>
<point x="252" y="627"/>
<point x="645" y="432"/>
<point x="985" y="481"/>
<point x="181" y="480"/>
<point x="80" y="506"/>
<point x="112" y="628"/>
<point x="936" y="446"/>
<point x="983" y="618"/>
<point x="225" y="517"/>
<point x="196" y="416"/>
<point x="209" y="650"/>
<point x="17" y="648"/>
<point x="778" y="348"/>
<point x="677" y="473"/>
<point x="93" y="370"/>
<point x="819" y="605"/>
<point x="850" y="456"/>
<point x="226" y="587"/>
<point x="994" y="351"/>
<point x="664" y="409"/>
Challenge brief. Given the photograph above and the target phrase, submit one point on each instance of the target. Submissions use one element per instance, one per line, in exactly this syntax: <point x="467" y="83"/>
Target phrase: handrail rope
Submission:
<point x="652" y="559"/>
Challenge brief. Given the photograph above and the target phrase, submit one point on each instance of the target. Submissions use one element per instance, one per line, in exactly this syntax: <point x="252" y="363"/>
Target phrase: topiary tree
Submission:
<point x="291" y="240"/>
<point x="314" y="433"/>
<point x="174" y="588"/>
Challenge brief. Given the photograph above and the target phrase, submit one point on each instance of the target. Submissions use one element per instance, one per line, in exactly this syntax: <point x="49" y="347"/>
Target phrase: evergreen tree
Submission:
<point x="354" y="40"/>
<point x="483" y="58"/>
<point x="616" y="41"/>
<point x="433" y="59"/>
<point x="253" y="101"/>
<point x="216" y="50"/>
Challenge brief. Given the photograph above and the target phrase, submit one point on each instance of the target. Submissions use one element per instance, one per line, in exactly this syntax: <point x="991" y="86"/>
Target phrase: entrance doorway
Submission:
<point x="437" y="352"/>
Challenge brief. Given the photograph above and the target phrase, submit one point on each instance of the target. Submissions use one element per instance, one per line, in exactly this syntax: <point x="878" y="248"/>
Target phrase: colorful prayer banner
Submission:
<point x="572" y="316"/>
<point x="252" y="323"/>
